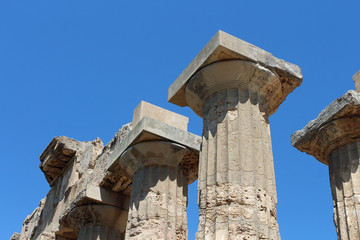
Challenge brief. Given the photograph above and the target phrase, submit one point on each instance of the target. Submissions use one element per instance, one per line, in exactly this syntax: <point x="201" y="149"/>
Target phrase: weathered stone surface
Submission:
<point x="56" y="157"/>
<point x="15" y="236"/>
<point x="334" y="139"/>
<point x="344" y="171"/>
<point x="145" y="109"/>
<point x="152" y="130"/>
<point x="161" y="160"/>
<point x="95" y="221"/>
<point x="235" y="86"/>
<point x="79" y="184"/>
<point x="335" y="126"/>
<point x="356" y="79"/>
<point x="159" y="193"/>
<point x="237" y="193"/>
<point x="223" y="47"/>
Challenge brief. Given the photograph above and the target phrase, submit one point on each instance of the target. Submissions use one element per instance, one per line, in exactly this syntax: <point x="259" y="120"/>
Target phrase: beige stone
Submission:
<point x="356" y="79"/>
<point x="160" y="160"/>
<point x="145" y="109"/>
<point x="334" y="139"/>
<point x="159" y="193"/>
<point x="95" y="221"/>
<point x="235" y="86"/>
<point x="335" y="126"/>
<point x="82" y="180"/>
<point x="224" y="47"/>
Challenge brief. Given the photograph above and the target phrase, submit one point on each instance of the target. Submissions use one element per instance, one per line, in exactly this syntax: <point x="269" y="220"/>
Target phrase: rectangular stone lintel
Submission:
<point x="224" y="46"/>
<point x="94" y="194"/>
<point x="149" y="129"/>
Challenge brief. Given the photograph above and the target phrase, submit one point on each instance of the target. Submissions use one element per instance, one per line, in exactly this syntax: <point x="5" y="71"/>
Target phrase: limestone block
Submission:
<point x="223" y="47"/>
<point x="356" y="79"/>
<point x="56" y="157"/>
<point x="335" y="126"/>
<point x="145" y="109"/>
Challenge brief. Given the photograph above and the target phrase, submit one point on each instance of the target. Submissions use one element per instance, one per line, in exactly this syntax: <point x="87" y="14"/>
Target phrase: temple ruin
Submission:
<point x="136" y="186"/>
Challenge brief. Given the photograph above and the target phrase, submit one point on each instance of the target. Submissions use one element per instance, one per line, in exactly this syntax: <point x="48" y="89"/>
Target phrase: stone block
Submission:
<point x="56" y="157"/>
<point x="223" y="47"/>
<point x="145" y="109"/>
<point x="335" y="126"/>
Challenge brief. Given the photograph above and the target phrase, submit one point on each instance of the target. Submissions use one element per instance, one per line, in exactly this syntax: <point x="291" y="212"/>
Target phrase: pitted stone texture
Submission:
<point x="356" y="79"/>
<point x="158" y="153"/>
<point x="145" y="109"/>
<point x="158" y="204"/>
<point x="159" y="193"/>
<point x="96" y="221"/>
<point x="15" y="236"/>
<point x="237" y="193"/>
<point x="344" y="171"/>
<point x="148" y="130"/>
<point x="223" y="47"/>
<point x="89" y="232"/>
<point x="57" y="155"/>
<point x="336" y="125"/>
<point x="234" y="74"/>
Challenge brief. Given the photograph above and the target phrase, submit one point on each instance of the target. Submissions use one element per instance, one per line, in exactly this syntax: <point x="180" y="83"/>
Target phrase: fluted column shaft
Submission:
<point x="97" y="232"/>
<point x="159" y="190"/>
<point x="237" y="193"/>
<point x="95" y="222"/>
<point x="158" y="204"/>
<point x="345" y="186"/>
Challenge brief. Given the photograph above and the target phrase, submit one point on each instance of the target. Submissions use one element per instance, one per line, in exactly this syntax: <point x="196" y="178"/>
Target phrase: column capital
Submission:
<point x="224" y="47"/>
<point x="158" y="153"/>
<point x="241" y="74"/>
<point x="95" y="214"/>
<point x="336" y="125"/>
<point x="163" y="136"/>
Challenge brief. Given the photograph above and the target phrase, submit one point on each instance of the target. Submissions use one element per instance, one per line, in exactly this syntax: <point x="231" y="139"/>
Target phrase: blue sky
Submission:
<point x="79" y="68"/>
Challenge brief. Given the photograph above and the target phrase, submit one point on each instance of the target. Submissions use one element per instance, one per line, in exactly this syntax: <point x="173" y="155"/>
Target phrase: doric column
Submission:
<point x="334" y="139"/>
<point x="235" y="96"/>
<point x="94" y="213"/>
<point x="96" y="221"/>
<point x="159" y="192"/>
<point x="161" y="160"/>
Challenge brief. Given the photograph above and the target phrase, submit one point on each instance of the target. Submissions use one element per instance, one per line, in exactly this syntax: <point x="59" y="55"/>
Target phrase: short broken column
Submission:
<point x="96" y="213"/>
<point x="333" y="138"/>
<point x="161" y="158"/>
<point x="235" y="86"/>
<point x="96" y="221"/>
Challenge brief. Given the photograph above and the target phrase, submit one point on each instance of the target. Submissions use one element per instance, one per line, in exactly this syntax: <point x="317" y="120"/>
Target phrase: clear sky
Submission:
<point x="79" y="68"/>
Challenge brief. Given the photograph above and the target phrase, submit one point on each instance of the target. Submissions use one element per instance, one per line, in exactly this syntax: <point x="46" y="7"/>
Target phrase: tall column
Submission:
<point x="237" y="193"/>
<point x="334" y="139"/>
<point x="160" y="158"/>
<point x="159" y="192"/>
